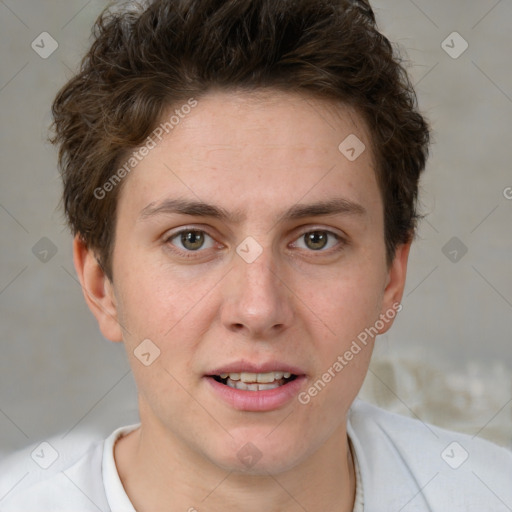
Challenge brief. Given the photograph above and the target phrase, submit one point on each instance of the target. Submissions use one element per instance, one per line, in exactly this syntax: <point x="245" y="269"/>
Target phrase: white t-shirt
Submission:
<point x="402" y="465"/>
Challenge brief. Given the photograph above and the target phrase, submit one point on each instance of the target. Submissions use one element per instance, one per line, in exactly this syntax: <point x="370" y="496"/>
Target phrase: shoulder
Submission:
<point x="411" y="465"/>
<point x="49" y="476"/>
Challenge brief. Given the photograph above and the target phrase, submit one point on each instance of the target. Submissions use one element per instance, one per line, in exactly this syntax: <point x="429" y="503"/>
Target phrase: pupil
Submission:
<point x="316" y="240"/>
<point x="192" y="239"/>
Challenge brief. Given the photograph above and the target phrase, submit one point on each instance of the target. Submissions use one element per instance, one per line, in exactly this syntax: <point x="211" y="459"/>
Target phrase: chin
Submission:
<point x="257" y="454"/>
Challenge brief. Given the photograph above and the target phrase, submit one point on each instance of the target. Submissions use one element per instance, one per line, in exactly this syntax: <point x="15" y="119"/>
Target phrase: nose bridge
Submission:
<point x="257" y="279"/>
<point x="257" y="298"/>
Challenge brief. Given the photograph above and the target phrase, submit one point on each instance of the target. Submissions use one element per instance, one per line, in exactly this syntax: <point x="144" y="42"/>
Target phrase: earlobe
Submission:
<point x="395" y="284"/>
<point x="97" y="289"/>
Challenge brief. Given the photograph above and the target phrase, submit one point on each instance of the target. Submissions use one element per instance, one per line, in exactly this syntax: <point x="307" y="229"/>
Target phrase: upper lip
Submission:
<point x="249" y="367"/>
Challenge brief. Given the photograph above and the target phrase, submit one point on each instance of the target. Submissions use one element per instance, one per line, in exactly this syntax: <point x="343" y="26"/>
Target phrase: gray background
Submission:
<point x="57" y="373"/>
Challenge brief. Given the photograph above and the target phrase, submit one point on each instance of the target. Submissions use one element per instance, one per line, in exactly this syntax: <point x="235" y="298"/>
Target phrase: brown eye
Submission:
<point x="319" y="241"/>
<point x="191" y="240"/>
<point x="316" y="240"/>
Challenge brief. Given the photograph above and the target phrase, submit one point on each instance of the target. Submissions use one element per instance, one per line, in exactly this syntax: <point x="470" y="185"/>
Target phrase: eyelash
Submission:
<point x="342" y="242"/>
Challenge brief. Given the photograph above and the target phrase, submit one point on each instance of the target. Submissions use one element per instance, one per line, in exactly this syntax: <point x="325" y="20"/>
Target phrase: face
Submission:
<point x="248" y="243"/>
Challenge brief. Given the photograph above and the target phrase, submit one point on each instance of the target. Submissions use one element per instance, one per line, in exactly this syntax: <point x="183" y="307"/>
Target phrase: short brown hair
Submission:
<point x="145" y="59"/>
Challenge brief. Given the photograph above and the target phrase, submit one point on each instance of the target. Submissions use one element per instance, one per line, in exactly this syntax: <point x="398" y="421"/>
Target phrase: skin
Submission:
<point x="257" y="155"/>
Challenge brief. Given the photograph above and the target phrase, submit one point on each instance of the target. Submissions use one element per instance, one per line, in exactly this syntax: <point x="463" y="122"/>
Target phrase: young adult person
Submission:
<point x="241" y="179"/>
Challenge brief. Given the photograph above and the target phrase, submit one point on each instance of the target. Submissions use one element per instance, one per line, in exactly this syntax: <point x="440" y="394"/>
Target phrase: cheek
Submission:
<point x="174" y="313"/>
<point x="154" y="308"/>
<point x="344" y="310"/>
<point x="345" y="304"/>
<point x="156" y="300"/>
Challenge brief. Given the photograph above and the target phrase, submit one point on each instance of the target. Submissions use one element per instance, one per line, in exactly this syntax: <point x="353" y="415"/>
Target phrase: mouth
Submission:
<point x="251" y="387"/>
<point x="245" y="381"/>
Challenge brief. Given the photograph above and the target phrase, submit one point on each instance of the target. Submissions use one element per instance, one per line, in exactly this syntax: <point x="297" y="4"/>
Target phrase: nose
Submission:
<point x="257" y="301"/>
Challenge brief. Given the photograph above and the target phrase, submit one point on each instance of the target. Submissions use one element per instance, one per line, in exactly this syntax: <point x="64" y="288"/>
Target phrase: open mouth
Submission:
<point x="254" y="381"/>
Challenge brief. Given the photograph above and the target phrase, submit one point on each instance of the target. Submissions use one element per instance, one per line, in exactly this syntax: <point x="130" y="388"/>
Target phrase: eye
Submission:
<point x="318" y="240"/>
<point x="191" y="240"/>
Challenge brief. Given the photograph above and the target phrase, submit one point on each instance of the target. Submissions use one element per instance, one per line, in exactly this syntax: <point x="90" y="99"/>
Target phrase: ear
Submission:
<point x="97" y="289"/>
<point x="395" y="285"/>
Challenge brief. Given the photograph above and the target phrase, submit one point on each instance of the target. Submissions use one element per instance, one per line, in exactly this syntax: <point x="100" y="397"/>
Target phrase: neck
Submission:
<point x="159" y="474"/>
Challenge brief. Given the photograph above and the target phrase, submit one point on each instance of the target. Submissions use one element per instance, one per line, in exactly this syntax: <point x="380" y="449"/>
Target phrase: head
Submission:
<point x="230" y="119"/>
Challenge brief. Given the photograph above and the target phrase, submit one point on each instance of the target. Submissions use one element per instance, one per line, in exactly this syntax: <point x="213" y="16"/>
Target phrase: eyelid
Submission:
<point x="311" y="229"/>
<point x="197" y="227"/>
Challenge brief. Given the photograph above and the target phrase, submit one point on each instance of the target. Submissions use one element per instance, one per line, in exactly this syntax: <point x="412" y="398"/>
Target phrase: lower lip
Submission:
<point x="257" y="401"/>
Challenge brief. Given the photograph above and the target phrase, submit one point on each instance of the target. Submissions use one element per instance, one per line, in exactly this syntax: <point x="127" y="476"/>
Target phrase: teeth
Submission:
<point x="247" y="381"/>
<point x="262" y="378"/>
<point x="248" y="377"/>
<point x="254" y="386"/>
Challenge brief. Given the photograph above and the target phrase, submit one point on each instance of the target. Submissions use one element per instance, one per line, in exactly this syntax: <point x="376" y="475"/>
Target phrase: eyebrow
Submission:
<point x="334" y="206"/>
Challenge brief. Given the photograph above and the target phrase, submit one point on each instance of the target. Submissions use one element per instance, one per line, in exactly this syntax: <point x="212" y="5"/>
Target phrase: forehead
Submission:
<point x="241" y="122"/>
<point x="270" y="146"/>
